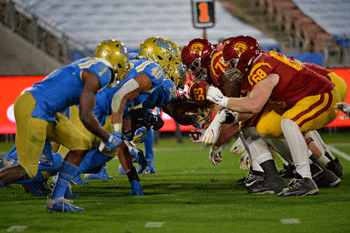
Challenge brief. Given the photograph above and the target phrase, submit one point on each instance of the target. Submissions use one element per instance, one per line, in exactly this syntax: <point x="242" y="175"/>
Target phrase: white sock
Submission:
<point x="259" y="152"/>
<point x="297" y="146"/>
<point x="323" y="160"/>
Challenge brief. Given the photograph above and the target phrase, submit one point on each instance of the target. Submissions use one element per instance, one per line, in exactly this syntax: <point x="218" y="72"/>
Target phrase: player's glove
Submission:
<point x="136" y="188"/>
<point x="237" y="147"/>
<point x="114" y="141"/>
<point x="345" y="108"/>
<point x="196" y="135"/>
<point x="244" y="161"/>
<point x="212" y="132"/>
<point x="140" y="159"/>
<point x="156" y="122"/>
<point x="215" y="155"/>
<point x="140" y="135"/>
<point x="215" y="95"/>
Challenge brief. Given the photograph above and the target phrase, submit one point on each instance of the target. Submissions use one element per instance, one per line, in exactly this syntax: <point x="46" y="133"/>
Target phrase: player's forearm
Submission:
<point x="244" y="105"/>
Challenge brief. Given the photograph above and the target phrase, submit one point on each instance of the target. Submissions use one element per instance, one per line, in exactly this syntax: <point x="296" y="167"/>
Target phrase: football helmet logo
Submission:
<point x="158" y="50"/>
<point x="197" y="48"/>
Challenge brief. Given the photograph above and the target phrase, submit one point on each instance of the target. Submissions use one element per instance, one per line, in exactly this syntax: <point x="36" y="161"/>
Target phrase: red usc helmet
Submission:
<point x="240" y="53"/>
<point x="196" y="57"/>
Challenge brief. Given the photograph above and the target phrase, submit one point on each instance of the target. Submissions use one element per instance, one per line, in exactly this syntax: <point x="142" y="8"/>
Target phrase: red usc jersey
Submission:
<point x="296" y="81"/>
<point x="318" y="69"/>
<point x="230" y="88"/>
<point x="217" y="67"/>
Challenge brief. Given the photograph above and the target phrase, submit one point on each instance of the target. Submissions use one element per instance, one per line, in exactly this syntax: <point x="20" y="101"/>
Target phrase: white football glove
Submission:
<point x="345" y="108"/>
<point x="215" y="95"/>
<point x="237" y="147"/>
<point x="215" y="155"/>
<point x="212" y="132"/>
<point x="244" y="161"/>
<point x="196" y="135"/>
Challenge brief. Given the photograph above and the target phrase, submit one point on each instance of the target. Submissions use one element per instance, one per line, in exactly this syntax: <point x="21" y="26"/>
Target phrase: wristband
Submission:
<point x="223" y="102"/>
<point x="118" y="127"/>
<point x="132" y="174"/>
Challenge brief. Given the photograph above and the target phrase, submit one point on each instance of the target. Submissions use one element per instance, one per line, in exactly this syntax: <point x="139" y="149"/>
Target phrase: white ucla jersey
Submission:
<point x="62" y="88"/>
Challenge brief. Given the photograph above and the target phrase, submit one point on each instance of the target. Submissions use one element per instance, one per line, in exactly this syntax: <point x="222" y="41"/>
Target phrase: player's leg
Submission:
<point x="149" y="155"/>
<point x="66" y="134"/>
<point x="29" y="150"/>
<point x="261" y="152"/>
<point x="324" y="155"/>
<point x="299" y="152"/>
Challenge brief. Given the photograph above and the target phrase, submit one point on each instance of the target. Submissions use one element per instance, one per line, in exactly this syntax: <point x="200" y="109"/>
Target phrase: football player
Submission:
<point x="308" y="98"/>
<point x="38" y="117"/>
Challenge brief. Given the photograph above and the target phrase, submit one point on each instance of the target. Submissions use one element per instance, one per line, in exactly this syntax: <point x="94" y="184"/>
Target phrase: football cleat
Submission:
<point x="300" y="187"/>
<point x="251" y="179"/>
<point x="327" y="179"/>
<point x="69" y="193"/>
<point x="36" y="189"/>
<point x="288" y="171"/>
<point x="102" y="175"/>
<point x="261" y="187"/>
<point x="77" y="180"/>
<point x="276" y="183"/>
<point x="61" y="205"/>
<point x="336" y="167"/>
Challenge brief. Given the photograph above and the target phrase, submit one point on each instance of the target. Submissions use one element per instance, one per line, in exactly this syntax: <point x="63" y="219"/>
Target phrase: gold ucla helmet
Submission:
<point x="156" y="49"/>
<point x="116" y="53"/>
<point x="177" y="74"/>
<point x="176" y="50"/>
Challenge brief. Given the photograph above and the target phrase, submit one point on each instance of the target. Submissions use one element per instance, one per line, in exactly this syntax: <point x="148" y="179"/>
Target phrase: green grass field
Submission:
<point x="188" y="194"/>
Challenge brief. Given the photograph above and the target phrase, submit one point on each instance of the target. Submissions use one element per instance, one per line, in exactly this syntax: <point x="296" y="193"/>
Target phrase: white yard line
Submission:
<point x="338" y="152"/>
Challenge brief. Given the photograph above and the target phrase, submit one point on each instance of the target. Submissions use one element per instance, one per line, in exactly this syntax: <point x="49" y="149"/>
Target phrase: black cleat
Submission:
<point x="261" y="187"/>
<point x="336" y="167"/>
<point x="300" y="187"/>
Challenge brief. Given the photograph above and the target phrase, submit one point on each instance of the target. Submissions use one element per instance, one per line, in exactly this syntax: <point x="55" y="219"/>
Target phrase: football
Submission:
<point x="198" y="92"/>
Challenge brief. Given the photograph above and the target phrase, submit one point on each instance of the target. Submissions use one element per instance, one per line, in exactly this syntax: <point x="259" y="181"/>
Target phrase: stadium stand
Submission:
<point x="133" y="21"/>
<point x="61" y="30"/>
<point x="313" y="26"/>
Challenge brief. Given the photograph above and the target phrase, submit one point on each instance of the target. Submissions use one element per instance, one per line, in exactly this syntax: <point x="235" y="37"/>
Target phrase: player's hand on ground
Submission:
<point x="136" y="188"/>
<point x="215" y="155"/>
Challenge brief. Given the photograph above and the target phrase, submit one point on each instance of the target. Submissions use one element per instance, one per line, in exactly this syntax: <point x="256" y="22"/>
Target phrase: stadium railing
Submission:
<point x="40" y="33"/>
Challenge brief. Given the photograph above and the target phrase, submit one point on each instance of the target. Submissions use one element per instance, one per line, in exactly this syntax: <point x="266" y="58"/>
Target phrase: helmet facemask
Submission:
<point x="197" y="70"/>
<point x="231" y="72"/>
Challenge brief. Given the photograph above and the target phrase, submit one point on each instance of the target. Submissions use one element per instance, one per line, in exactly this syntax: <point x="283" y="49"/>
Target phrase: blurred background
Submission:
<point x="38" y="36"/>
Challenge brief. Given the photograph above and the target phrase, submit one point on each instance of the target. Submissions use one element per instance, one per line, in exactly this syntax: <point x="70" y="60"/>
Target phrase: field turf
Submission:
<point x="188" y="194"/>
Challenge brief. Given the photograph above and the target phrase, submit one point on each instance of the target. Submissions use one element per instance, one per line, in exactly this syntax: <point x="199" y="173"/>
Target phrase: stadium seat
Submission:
<point x="299" y="24"/>
<point x="272" y="7"/>
<point x="324" y="42"/>
<point x="291" y="15"/>
<point x="281" y="9"/>
<point x="309" y="34"/>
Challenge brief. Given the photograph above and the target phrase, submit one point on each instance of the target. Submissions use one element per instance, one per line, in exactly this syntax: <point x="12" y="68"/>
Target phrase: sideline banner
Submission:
<point x="12" y="86"/>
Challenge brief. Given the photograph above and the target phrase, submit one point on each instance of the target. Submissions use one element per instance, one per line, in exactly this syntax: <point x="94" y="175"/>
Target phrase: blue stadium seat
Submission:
<point x="134" y="21"/>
